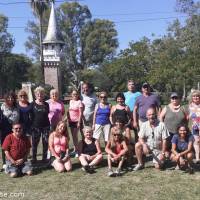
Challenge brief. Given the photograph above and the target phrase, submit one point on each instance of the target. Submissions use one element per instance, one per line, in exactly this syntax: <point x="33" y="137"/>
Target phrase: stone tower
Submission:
<point x="52" y="52"/>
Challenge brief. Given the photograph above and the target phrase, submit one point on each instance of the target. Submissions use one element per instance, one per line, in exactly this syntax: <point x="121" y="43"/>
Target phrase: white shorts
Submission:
<point x="102" y="129"/>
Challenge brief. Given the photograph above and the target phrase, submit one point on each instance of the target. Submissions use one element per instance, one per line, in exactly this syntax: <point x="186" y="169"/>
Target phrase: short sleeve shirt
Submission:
<point x="144" y="103"/>
<point x="130" y="98"/>
<point x="17" y="147"/>
<point x="182" y="145"/>
<point x="154" y="136"/>
<point x="56" y="111"/>
<point x="74" y="110"/>
<point x="89" y="106"/>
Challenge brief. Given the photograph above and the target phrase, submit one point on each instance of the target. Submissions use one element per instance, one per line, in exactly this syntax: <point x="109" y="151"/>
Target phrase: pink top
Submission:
<point x="60" y="144"/>
<point x="56" y="111"/>
<point x="74" y="110"/>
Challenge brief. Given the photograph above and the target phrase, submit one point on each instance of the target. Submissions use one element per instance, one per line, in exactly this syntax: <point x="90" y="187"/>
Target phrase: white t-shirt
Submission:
<point x="89" y="106"/>
<point x="154" y="136"/>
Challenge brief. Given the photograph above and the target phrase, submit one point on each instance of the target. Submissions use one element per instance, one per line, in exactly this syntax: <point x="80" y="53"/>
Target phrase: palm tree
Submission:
<point x="39" y="7"/>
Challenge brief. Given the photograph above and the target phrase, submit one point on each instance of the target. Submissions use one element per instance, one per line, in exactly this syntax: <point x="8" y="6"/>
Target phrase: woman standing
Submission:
<point x="58" y="146"/>
<point x="101" y="121"/>
<point x="75" y="114"/>
<point x="10" y="115"/>
<point x="41" y="125"/>
<point x="120" y="110"/>
<point x="194" y="116"/>
<point x="173" y="115"/>
<point x="56" y="109"/>
<point x="25" y="112"/>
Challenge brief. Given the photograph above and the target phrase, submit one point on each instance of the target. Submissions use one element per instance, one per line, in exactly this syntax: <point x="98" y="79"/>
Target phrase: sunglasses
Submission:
<point x="103" y="97"/>
<point x="23" y="95"/>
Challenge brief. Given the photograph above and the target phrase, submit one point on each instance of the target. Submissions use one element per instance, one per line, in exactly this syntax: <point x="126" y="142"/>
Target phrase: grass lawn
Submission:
<point x="145" y="184"/>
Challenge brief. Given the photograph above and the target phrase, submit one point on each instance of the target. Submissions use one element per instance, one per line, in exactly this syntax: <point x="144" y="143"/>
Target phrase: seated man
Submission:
<point x="17" y="147"/>
<point x="152" y="139"/>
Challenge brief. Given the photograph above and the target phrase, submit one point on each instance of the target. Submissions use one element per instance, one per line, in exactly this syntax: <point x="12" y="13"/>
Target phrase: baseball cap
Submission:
<point x="145" y="84"/>
<point x="174" y="94"/>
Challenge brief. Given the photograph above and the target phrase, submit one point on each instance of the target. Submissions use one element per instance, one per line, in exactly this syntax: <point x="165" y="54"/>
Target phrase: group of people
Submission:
<point x="135" y="125"/>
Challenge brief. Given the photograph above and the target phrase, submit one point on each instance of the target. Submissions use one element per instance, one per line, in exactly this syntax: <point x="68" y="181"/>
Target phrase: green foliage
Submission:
<point x="87" y="42"/>
<point x="6" y="40"/>
<point x="13" y="71"/>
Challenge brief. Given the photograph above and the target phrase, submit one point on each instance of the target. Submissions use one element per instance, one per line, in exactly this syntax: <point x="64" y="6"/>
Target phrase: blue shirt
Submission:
<point x="130" y="98"/>
<point x="144" y="103"/>
<point x="182" y="145"/>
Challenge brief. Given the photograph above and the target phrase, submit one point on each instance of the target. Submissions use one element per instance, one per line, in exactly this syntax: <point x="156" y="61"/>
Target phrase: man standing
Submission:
<point x="143" y="103"/>
<point x="131" y="95"/>
<point x="17" y="147"/>
<point x="89" y="100"/>
<point x="152" y="139"/>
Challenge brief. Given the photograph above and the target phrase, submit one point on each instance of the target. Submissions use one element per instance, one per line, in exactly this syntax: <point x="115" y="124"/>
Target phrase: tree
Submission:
<point x="13" y="71"/>
<point x="39" y="7"/>
<point x="88" y="42"/>
<point x="6" y="40"/>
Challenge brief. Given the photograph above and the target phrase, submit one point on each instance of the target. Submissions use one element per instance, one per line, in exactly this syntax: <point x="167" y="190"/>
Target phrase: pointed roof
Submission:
<point x="53" y="35"/>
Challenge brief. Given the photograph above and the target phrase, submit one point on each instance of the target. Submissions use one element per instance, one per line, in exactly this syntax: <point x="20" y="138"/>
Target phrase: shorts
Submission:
<point x="102" y="129"/>
<point x="73" y="124"/>
<point x="24" y="168"/>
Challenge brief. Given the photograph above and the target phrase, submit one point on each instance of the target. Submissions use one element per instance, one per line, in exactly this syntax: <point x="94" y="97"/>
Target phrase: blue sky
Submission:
<point x="134" y="19"/>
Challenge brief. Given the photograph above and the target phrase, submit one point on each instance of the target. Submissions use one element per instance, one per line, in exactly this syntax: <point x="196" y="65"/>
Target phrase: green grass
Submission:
<point x="145" y="184"/>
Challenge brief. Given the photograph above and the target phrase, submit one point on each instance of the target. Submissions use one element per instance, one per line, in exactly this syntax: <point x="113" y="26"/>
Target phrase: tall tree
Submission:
<point x="88" y="42"/>
<point x="6" y="40"/>
<point x="39" y="7"/>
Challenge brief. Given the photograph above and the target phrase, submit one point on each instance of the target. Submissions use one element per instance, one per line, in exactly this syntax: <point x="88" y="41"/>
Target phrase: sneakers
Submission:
<point x="4" y="166"/>
<point x="138" y="167"/>
<point x="87" y="169"/>
<point x="177" y="167"/>
<point x="118" y="172"/>
<point x="110" y="173"/>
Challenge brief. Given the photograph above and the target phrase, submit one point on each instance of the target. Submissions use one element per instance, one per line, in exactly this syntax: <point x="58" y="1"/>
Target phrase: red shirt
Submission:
<point x="17" y="147"/>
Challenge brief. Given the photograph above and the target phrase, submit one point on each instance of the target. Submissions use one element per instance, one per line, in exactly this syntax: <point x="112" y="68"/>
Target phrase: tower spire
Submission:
<point x="53" y="35"/>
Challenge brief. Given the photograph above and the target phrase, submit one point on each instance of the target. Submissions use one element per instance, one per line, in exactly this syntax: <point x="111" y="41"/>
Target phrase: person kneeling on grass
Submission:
<point x="58" y="146"/>
<point x="182" y="145"/>
<point x="152" y="140"/>
<point x="89" y="150"/>
<point x="17" y="147"/>
<point x="116" y="149"/>
<point x="120" y="125"/>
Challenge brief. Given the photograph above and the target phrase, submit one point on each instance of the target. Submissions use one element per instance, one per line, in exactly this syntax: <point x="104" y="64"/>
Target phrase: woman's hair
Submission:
<point x="112" y="139"/>
<point x="78" y="95"/>
<point x="53" y="91"/>
<point x="121" y="95"/>
<point x="22" y="92"/>
<point x="39" y="89"/>
<point x="103" y="92"/>
<point x="194" y="92"/>
<point x="12" y="95"/>
<point x="65" y="131"/>
<point x="86" y="128"/>
<point x="183" y="125"/>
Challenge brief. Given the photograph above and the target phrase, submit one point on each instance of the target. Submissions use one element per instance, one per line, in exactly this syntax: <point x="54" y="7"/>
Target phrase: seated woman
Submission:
<point x="58" y="146"/>
<point x="89" y="150"/>
<point x="116" y="149"/>
<point x="126" y="132"/>
<point x="182" y="145"/>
